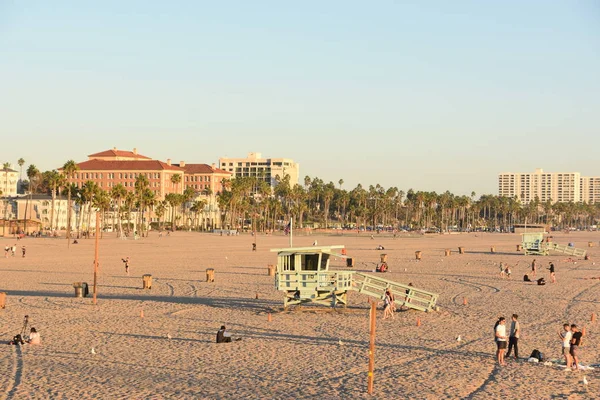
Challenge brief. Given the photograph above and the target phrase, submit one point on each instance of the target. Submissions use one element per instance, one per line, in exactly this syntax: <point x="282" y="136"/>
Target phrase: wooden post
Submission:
<point x="271" y="270"/>
<point x="492" y="250"/>
<point x="593" y="317"/>
<point x="447" y="252"/>
<point x="373" y="315"/>
<point x="96" y="251"/>
<point x="418" y="255"/>
<point x="461" y="250"/>
<point x="2" y="300"/>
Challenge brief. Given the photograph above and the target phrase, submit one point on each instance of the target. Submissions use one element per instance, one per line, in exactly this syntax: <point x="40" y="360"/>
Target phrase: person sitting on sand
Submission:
<point x="552" y="274"/>
<point x="223" y="336"/>
<point x="34" y="337"/>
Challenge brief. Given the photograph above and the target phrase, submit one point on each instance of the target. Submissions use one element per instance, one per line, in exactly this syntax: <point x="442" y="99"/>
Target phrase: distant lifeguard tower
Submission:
<point x="303" y="274"/>
<point x="534" y="243"/>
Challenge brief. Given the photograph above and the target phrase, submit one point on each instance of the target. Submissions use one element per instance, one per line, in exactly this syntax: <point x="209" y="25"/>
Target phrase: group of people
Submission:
<point x="571" y="339"/>
<point x="13" y="250"/>
<point x="504" y="341"/>
<point x="505" y="271"/>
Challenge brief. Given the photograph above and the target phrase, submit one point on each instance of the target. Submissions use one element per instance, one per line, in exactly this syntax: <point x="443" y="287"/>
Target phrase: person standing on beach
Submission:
<point x="513" y="339"/>
<point x="6" y="251"/>
<point x="552" y="275"/>
<point x="23" y="251"/>
<point x="14" y="249"/>
<point x="533" y="267"/>
<point x="566" y="337"/>
<point x="500" y="335"/>
<point x="501" y="270"/>
<point x="575" y="343"/>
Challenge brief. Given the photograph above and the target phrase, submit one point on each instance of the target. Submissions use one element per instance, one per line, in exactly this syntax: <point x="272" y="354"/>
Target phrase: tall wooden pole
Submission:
<point x="96" y="255"/>
<point x="373" y="315"/>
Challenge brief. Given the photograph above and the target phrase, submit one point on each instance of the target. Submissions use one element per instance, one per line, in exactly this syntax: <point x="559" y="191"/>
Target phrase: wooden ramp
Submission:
<point x="405" y="295"/>
<point x="572" y="251"/>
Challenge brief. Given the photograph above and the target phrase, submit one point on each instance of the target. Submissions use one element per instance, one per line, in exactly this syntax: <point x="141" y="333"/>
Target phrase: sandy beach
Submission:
<point x="311" y="353"/>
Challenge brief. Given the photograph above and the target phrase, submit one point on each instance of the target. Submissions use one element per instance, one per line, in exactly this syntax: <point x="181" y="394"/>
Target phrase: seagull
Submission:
<point x="458" y="339"/>
<point x="226" y="258"/>
<point x="585" y="381"/>
<point x="93" y="351"/>
<point x="169" y="336"/>
<point x="340" y="342"/>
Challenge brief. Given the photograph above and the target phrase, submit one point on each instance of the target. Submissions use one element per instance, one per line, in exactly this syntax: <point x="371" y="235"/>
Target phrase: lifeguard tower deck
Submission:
<point x="303" y="274"/>
<point x="535" y="244"/>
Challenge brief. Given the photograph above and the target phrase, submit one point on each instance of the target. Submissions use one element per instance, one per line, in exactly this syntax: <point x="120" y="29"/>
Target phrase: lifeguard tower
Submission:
<point x="303" y="274"/>
<point x="535" y="244"/>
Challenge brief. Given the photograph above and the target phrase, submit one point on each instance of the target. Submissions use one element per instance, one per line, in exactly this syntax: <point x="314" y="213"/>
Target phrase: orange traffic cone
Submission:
<point x="418" y="321"/>
<point x="269" y="317"/>
<point x="141" y="313"/>
<point x="583" y="331"/>
<point x="465" y="302"/>
<point x="593" y="317"/>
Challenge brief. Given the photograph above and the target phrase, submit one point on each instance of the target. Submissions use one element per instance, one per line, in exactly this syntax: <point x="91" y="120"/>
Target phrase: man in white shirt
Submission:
<point x="565" y="337"/>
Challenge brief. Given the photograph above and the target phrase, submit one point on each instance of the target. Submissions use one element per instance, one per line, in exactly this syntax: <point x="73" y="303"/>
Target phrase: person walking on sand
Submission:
<point x="575" y="343"/>
<point x="6" y="251"/>
<point x="387" y="306"/>
<point x="14" y="249"/>
<point x="507" y="271"/>
<point x="566" y="337"/>
<point x="500" y="335"/>
<point x="501" y="270"/>
<point x="126" y="262"/>
<point x="513" y="339"/>
<point x="533" y="268"/>
<point x="23" y="251"/>
<point x="552" y="275"/>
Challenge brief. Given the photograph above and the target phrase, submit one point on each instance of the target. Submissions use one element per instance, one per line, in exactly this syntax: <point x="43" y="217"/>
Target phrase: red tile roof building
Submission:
<point x="109" y="168"/>
<point x="204" y="178"/>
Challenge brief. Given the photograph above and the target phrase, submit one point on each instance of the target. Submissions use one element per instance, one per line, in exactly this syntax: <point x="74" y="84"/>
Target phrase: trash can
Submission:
<point x="81" y="289"/>
<point x="147" y="281"/>
<point x="270" y="270"/>
<point x="210" y="275"/>
<point x="349" y="262"/>
<point x="383" y="257"/>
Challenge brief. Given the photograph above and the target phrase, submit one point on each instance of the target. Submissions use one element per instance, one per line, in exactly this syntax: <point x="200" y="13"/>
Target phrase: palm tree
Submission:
<point x="5" y="168"/>
<point x="33" y="176"/>
<point x="21" y="162"/>
<point x="118" y="193"/>
<point x="69" y="170"/>
<point x="54" y="180"/>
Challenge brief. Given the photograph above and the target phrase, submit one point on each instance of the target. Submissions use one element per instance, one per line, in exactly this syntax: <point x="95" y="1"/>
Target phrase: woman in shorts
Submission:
<point x="501" y="343"/>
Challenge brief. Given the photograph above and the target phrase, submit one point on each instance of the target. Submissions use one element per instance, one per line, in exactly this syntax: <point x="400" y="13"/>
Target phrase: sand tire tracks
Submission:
<point x="17" y="373"/>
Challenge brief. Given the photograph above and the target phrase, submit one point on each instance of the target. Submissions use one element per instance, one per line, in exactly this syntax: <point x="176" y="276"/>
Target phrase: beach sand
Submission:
<point x="298" y="354"/>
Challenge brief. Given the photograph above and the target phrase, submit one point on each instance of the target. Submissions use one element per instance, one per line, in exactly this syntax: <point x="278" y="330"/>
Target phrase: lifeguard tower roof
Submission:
<point x="311" y="249"/>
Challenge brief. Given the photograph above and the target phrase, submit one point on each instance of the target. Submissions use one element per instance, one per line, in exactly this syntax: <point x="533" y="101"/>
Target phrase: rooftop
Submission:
<point x="126" y="165"/>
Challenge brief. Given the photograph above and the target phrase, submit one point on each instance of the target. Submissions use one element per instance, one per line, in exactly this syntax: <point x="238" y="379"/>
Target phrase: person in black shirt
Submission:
<point x="575" y="342"/>
<point x="552" y="276"/>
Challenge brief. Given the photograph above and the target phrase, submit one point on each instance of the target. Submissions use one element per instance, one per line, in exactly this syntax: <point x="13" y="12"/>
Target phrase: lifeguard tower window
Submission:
<point x="289" y="261"/>
<point x="324" y="259"/>
<point x="310" y="262"/>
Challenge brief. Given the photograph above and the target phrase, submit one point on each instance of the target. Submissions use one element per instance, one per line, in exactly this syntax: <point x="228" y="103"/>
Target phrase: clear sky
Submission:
<point x="429" y="95"/>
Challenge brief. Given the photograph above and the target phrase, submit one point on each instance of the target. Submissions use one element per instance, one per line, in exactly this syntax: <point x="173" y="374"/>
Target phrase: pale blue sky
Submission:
<point x="430" y="95"/>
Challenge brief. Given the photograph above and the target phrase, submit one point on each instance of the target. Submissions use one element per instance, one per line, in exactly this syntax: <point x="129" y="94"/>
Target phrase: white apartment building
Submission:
<point x="268" y="169"/>
<point x="562" y="187"/>
<point x="8" y="182"/>
<point x="39" y="209"/>
<point x="590" y="189"/>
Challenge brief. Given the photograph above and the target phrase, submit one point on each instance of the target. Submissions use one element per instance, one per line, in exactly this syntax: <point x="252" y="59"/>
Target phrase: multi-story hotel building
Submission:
<point x="109" y="168"/>
<point x="590" y="189"/>
<point x="268" y="169"/>
<point x="8" y="182"/>
<point x="38" y="208"/>
<point x="203" y="178"/>
<point x="562" y="187"/>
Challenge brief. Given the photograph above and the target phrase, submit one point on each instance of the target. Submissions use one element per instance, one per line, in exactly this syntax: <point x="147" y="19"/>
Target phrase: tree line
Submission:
<point x="251" y="203"/>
